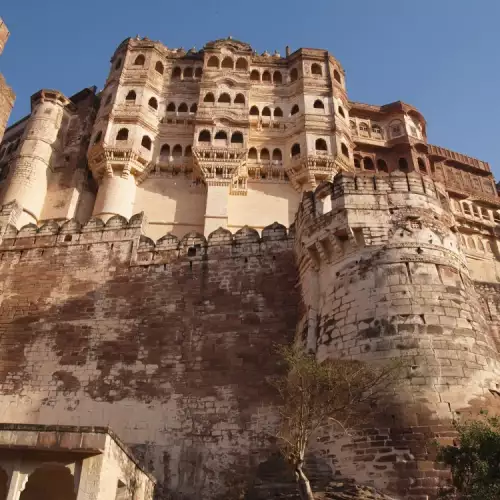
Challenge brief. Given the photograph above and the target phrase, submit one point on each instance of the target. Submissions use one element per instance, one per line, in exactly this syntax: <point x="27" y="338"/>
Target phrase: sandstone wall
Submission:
<point x="167" y="343"/>
<point x="7" y="95"/>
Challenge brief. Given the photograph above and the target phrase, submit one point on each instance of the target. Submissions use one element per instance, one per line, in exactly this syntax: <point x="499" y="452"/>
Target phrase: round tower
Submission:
<point x="27" y="183"/>
<point x="383" y="277"/>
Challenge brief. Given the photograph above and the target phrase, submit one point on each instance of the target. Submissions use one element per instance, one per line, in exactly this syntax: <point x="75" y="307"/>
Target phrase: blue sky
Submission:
<point x="442" y="56"/>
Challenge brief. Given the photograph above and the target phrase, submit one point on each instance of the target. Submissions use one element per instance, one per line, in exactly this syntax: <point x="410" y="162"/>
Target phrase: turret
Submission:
<point x="7" y="96"/>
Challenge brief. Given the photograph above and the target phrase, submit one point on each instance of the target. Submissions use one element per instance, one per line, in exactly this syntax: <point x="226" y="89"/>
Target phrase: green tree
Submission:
<point x="312" y="395"/>
<point x="474" y="461"/>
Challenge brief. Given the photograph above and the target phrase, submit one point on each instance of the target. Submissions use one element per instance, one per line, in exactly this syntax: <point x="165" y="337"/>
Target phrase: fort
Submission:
<point x="158" y="237"/>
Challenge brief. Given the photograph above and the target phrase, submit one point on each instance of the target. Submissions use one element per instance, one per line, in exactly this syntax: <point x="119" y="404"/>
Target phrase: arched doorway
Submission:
<point x="50" y="482"/>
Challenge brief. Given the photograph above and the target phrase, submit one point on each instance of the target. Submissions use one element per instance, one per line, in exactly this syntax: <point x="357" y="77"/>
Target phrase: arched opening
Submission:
<point x="131" y="96"/>
<point x="239" y="99"/>
<point x="295" y="149"/>
<point x="377" y="130"/>
<point x="264" y="154"/>
<point x="403" y="164"/>
<point x="188" y="72"/>
<point x="97" y="139"/>
<point x="177" y="151"/>
<point x="352" y="124"/>
<point x="294" y="75"/>
<point x="176" y="73"/>
<point x="193" y="108"/>
<point x="363" y="128"/>
<point x="227" y="63"/>
<point x="139" y="60"/>
<point x="252" y="154"/>
<point x="421" y="166"/>
<point x="204" y="136"/>
<point x="341" y="111"/>
<point x="382" y="166"/>
<point x="122" y="134"/>
<point x="344" y="150"/>
<point x="118" y="64"/>
<point x="277" y="155"/>
<point x="220" y="136"/>
<point x="183" y="108"/>
<point x="146" y="142"/>
<point x="278" y="113"/>
<point x="318" y="104"/>
<point x="266" y="76"/>
<point x="153" y="103"/>
<point x="198" y="72"/>
<point x="50" y="482"/>
<point x="225" y="98"/>
<point x="4" y="482"/>
<point x="237" y="138"/>
<point x="171" y="107"/>
<point x="277" y="77"/>
<point x="159" y="67"/>
<point x="295" y="110"/>
<point x="316" y="69"/>
<point x="241" y="64"/>
<point x="254" y="111"/>
<point x="209" y="97"/>
<point x="213" y="62"/>
<point x="165" y="151"/>
<point x="266" y="111"/>
<point x="188" y="151"/>
<point x="336" y="76"/>
<point x="368" y="163"/>
<point x="255" y="76"/>
<point x="357" y="163"/>
<point x="321" y="145"/>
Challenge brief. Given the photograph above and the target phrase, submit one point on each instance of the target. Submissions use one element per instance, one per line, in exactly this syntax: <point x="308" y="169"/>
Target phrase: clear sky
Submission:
<point x="442" y="56"/>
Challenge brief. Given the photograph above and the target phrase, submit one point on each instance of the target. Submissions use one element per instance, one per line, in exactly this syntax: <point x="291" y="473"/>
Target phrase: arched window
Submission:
<point x="177" y="151"/>
<point x="341" y="112"/>
<point x="183" y="108"/>
<point x="108" y="100"/>
<point x="471" y="243"/>
<point x="377" y="130"/>
<point x="266" y="76"/>
<point x="146" y="142"/>
<point x="363" y="128"/>
<point x="139" y="60"/>
<point x="165" y="151"/>
<point x="321" y="145"/>
<point x="264" y="154"/>
<point x="344" y="150"/>
<point x="421" y="166"/>
<point x="255" y="76"/>
<point x="316" y="69"/>
<point x="241" y="64"/>
<point x="278" y="113"/>
<point x="118" y="64"/>
<point x="237" y="138"/>
<point x="204" y="136"/>
<point x="198" y="72"/>
<point x="403" y="164"/>
<point x="318" y="104"/>
<point x="188" y="152"/>
<point x="227" y="63"/>
<point x="159" y="67"/>
<point x="336" y="76"/>
<point x="176" y="73"/>
<point x="382" y="166"/>
<point x="225" y="98"/>
<point x="480" y="245"/>
<point x="220" y="136"/>
<point x="357" y="163"/>
<point x="98" y="137"/>
<point x="188" y="72"/>
<point x="254" y="111"/>
<point x="131" y="96"/>
<point x="50" y="481"/>
<point x="368" y="163"/>
<point x="213" y="62"/>
<point x="193" y="108"/>
<point x="153" y="103"/>
<point x="277" y="155"/>
<point x="352" y="123"/>
<point x="239" y="99"/>
<point x="295" y="110"/>
<point x="277" y="77"/>
<point x="295" y="149"/>
<point x="252" y="154"/>
<point x="294" y="75"/>
<point x="122" y="134"/>
<point x="266" y="111"/>
<point x="171" y="107"/>
<point x="209" y="97"/>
